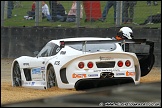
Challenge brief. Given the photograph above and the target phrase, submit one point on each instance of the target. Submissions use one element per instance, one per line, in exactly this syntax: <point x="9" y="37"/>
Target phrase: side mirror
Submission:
<point x="36" y="53"/>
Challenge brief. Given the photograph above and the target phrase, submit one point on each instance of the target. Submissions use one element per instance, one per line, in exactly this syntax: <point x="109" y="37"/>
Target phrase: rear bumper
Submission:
<point x="83" y="84"/>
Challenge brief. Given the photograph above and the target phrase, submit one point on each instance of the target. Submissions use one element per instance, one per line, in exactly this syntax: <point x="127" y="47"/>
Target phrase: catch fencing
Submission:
<point x="92" y="11"/>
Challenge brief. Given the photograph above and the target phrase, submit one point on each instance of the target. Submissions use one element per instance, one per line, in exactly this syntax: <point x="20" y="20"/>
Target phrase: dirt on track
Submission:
<point x="11" y="94"/>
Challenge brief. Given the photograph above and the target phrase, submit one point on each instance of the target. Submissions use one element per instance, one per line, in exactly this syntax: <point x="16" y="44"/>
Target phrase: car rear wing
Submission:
<point x="121" y="42"/>
<point x="138" y="41"/>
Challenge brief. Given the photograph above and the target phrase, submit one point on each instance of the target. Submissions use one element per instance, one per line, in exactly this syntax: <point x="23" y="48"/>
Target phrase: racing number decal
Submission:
<point x="57" y="63"/>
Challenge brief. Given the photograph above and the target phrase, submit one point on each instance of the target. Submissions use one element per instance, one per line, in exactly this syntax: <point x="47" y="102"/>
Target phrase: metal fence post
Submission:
<point x="78" y="14"/>
<point x="118" y="13"/>
<point x="38" y="13"/>
<point x="2" y="13"/>
<point x="5" y="9"/>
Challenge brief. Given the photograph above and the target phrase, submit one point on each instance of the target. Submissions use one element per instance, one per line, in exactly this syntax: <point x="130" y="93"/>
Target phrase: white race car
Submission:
<point x="82" y="63"/>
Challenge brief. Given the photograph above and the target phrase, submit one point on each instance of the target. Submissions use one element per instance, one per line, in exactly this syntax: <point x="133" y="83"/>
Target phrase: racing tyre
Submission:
<point x="16" y="75"/>
<point x="147" y="64"/>
<point x="51" y="77"/>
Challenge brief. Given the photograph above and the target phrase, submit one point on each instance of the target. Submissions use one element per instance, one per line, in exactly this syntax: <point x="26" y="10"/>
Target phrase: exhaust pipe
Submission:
<point x="103" y="75"/>
<point x="106" y="75"/>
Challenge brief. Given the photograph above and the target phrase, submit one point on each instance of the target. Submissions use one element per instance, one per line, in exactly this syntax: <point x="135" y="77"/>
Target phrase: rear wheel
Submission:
<point x="51" y="77"/>
<point x="146" y="64"/>
<point x="16" y="75"/>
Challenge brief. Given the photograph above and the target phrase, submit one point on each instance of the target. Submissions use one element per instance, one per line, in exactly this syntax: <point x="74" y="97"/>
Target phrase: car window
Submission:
<point x="94" y="47"/>
<point x="48" y="50"/>
<point x="55" y="50"/>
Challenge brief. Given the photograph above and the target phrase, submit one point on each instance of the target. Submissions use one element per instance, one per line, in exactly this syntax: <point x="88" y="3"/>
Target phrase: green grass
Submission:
<point x="141" y="12"/>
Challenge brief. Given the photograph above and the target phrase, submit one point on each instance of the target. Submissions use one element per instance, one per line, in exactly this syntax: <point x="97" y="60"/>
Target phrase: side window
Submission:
<point x="55" y="50"/>
<point x="49" y="50"/>
<point x="45" y="52"/>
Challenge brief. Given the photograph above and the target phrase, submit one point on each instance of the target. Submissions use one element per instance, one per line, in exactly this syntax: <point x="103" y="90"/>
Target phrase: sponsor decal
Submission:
<point x="105" y="58"/>
<point x="26" y="64"/>
<point x="42" y="68"/>
<point x="92" y="75"/>
<point x="110" y="70"/>
<point x="107" y="70"/>
<point x="79" y="75"/>
<point x="37" y="78"/>
<point x="63" y="52"/>
<point x="97" y="70"/>
<point x="130" y="73"/>
<point x="43" y="83"/>
<point x="43" y="76"/>
<point x="58" y="49"/>
<point x="26" y="83"/>
<point x="36" y="71"/>
<point x="32" y="83"/>
<point x="57" y="63"/>
<point x="120" y="73"/>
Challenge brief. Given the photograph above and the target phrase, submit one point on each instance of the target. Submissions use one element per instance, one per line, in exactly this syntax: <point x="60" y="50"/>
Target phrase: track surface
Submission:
<point x="11" y="94"/>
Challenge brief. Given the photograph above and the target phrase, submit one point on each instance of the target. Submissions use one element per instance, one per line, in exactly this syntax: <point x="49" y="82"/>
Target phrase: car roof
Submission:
<point x="78" y="39"/>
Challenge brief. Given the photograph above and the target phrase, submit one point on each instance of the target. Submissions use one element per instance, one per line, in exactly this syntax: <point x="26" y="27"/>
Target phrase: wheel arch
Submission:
<point x="48" y="66"/>
<point x="12" y="69"/>
<point x="13" y="64"/>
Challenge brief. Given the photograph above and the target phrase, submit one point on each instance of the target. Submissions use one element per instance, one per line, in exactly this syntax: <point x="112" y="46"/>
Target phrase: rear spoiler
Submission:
<point x="122" y="42"/>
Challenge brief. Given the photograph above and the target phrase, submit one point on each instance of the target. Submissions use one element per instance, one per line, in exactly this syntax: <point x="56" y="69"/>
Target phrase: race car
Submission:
<point x="82" y="63"/>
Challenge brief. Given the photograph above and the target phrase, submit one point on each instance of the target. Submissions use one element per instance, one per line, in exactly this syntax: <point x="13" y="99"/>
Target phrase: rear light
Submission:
<point x="90" y="65"/>
<point x="127" y="63"/>
<point x="81" y="65"/>
<point x="120" y="63"/>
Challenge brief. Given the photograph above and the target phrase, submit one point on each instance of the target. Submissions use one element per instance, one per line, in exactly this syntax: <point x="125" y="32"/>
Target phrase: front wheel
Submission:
<point x="51" y="77"/>
<point x="16" y="75"/>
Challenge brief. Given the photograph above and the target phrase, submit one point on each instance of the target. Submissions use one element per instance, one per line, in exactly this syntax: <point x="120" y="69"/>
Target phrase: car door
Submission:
<point x="39" y="62"/>
<point x="48" y="51"/>
<point x="42" y="57"/>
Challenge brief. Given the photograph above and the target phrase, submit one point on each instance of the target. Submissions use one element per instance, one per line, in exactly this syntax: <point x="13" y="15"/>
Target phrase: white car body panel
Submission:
<point x="70" y="60"/>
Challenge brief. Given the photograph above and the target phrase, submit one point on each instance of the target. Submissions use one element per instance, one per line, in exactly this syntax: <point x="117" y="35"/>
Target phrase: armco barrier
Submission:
<point x="18" y="41"/>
